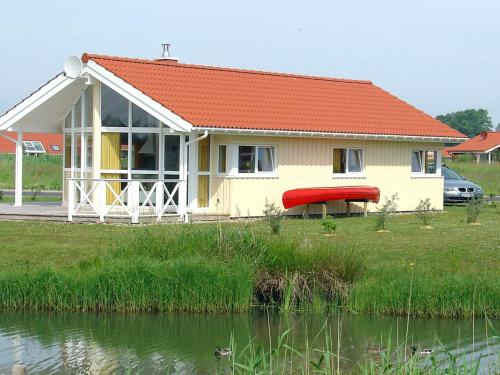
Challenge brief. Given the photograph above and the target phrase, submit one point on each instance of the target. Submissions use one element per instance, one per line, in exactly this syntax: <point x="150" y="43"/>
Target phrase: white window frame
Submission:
<point x="232" y="159"/>
<point x="422" y="173"/>
<point x="347" y="173"/>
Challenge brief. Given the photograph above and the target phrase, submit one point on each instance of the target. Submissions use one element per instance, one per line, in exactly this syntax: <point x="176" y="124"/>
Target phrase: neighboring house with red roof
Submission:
<point x="33" y="143"/>
<point x="482" y="146"/>
<point x="162" y="137"/>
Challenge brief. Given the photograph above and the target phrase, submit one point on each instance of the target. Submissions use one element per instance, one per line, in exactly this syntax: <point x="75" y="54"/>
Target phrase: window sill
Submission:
<point x="422" y="175"/>
<point x="348" y="175"/>
<point x="249" y="176"/>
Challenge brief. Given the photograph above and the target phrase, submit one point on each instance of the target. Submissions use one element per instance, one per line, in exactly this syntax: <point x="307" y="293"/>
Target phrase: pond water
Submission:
<point x="73" y="343"/>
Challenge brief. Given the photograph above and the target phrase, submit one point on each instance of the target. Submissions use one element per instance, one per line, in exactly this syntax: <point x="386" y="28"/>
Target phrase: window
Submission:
<point x="424" y="162"/>
<point x="145" y="152"/>
<point x="222" y="162"/>
<point x="33" y="147"/>
<point x="78" y="113"/>
<point x="114" y="108"/>
<point x="89" y="103"/>
<point x="142" y="119"/>
<point x="347" y="161"/>
<point x="172" y="152"/>
<point x="255" y="159"/>
<point x="55" y="148"/>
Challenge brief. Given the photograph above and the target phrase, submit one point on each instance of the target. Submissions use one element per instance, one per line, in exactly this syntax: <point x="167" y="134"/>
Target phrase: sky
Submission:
<point x="439" y="55"/>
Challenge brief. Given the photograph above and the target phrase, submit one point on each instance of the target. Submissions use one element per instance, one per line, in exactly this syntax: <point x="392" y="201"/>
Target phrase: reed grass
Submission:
<point x="194" y="284"/>
<point x="322" y="355"/>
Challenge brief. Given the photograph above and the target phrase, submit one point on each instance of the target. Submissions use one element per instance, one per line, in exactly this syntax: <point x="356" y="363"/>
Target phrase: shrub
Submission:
<point x="273" y="216"/>
<point x="423" y="211"/>
<point x="329" y="226"/>
<point x="492" y="200"/>
<point x="465" y="158"/>
<point x="472" y="210"/>
<point x="388" y="207"/>
<point x="1" y="195"/>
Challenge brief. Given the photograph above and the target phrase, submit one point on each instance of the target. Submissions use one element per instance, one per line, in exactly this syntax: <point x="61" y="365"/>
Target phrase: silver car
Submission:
<point x="458" y="189"/>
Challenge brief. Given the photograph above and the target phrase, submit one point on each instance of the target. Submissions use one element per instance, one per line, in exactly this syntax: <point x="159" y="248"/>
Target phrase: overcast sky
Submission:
<point x="439" y="55"/>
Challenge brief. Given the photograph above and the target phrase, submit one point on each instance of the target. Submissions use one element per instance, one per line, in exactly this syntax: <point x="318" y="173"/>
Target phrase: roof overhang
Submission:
<point x="285" y="133"/>
<point x="165" y="115"/>
<point x="44" y="110"/>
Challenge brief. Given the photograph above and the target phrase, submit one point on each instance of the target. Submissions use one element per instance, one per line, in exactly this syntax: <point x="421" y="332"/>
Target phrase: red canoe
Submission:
<point x="297" y="197"/>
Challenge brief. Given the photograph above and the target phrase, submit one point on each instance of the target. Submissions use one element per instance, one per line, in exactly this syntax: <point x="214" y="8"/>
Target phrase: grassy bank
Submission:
<point x="43" y="171"/>
<point x="450" y="270"/>
<point x="485" y="175"/>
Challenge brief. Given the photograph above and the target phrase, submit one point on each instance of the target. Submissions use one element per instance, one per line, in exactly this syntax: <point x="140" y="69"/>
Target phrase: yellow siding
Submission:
<point x="307" y="162"/>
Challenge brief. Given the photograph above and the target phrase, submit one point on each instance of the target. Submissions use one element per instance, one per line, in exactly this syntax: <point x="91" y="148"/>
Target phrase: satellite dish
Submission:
<point x="73" y="67"/>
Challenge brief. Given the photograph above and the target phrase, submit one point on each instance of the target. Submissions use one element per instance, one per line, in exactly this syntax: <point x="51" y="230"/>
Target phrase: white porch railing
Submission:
<point x="133" y="199"/>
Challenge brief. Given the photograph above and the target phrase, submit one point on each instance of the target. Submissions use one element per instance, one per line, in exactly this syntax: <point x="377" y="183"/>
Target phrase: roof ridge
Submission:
<point x="89" y="56"/>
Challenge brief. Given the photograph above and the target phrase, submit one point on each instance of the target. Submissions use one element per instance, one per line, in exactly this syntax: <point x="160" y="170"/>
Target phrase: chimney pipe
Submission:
<point x="165" y="55"/>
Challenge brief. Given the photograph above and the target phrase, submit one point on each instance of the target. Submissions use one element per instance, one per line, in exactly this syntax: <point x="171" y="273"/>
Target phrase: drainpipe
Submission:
<point x="18" y="195"/>
<point x="188" y="143"/>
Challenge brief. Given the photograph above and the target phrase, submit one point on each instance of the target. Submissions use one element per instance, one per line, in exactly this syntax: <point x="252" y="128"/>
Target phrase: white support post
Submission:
<point x="18" y="199"/>
<point x="159" y="199"/>
<point x="102" y="199"/>
<point x="71" y="198"/>
<point x="489" y="157"/>
<point x="134" y="203"/>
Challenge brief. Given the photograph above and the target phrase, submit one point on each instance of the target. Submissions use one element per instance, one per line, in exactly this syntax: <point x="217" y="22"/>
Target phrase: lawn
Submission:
<point x="453" y="268"/>
<point x="485" y="175"/>
<point x="43" y="172"/>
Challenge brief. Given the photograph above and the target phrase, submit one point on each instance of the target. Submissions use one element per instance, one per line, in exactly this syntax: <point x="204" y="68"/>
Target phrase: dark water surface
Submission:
<point x="73" y="343"/>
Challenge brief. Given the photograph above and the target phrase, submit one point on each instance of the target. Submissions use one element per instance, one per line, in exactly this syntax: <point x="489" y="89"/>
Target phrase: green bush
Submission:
<point x="329" y="226"/>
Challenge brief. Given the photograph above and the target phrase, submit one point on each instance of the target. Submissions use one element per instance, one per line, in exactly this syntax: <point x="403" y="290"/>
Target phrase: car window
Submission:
<point x="450" y="174"/>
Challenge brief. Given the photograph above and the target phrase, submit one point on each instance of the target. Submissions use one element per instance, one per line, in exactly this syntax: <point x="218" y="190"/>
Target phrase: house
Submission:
<point x="483" y="147"/>
<point x="160" y="137"/>
<point x="33" y="144"/>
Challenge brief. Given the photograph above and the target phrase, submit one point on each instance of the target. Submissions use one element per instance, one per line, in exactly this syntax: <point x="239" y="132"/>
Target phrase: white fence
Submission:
<point x="107" y="198"/>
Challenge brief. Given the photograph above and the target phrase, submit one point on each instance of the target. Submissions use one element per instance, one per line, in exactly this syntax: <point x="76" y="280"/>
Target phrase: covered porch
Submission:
<point x="124" y="157"/>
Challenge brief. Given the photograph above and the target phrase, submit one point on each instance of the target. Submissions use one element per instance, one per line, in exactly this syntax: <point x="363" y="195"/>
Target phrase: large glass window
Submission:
<point x="346" y="160"/>
<point x="142" y="119"/>
<point x="78" y="150"/>
<point x="88" y="110"/>
<point x="171" y="152"/>
<point x="114" y="151"/>
<point x="67" y="151"/>
<point x="114" y="108"/>
<point x="78" y="113"/>
<point x="424" y="162"/>
<point x="145" y="152"/>
<point x="67" y="121"/>
<point x="88" y="156"/>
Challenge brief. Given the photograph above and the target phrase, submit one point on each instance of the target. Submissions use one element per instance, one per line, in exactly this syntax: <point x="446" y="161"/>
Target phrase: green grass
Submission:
<point x="43" y="171"/>
<point x="485" y="175"/>
<point x="453" y="269"/>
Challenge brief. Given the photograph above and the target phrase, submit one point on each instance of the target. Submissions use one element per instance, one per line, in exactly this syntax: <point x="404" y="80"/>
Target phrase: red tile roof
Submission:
<point x="47" y="140"/>
<point x="480" y="143"/>
<point x="244" y="99"/>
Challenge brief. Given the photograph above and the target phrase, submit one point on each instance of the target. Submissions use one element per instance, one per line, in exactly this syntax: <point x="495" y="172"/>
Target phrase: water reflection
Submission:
<point x="184" y="343"/>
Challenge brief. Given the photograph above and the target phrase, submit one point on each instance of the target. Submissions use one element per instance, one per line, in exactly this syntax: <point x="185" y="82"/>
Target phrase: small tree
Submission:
<point x="423" y="211"/>
<point x="472" y="210"/>
<point x="274" y="216"/>
<point x="388" y="207"/>
<point x="329" y="226"/>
